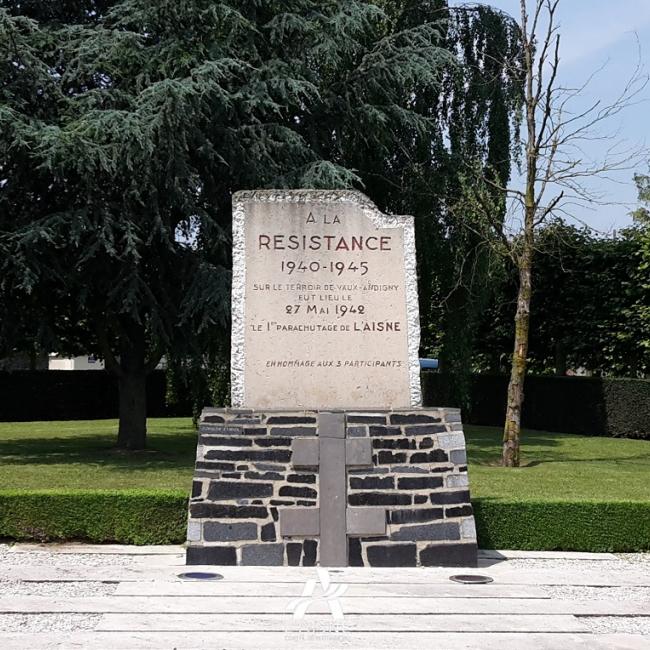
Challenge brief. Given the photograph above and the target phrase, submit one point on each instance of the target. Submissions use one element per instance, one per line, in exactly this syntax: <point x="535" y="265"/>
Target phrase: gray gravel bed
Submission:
<point x="629" y="565"/>
<point x="572" y="592"/>
<point x="618" y="624"/>
<point x="58" y="589"/>
<point x="44" y="558"/>
<point x="48" y="622"/>
<point x="635" y="558"/>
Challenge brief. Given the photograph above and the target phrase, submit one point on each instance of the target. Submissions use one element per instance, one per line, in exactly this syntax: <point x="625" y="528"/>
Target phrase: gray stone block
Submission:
<point x="305" y="452"/>
<point x="358" y="452"/>
<point x="410" y="469"/>
<point x="194" y="531"/>
<point x="468" y="528"/>
<point x="437" y="531"/>
<point x="299" y="522"/>
<point x="458" y="456"/>
<point x="366" y="521"/>
<point x="451" y="441"/>
<point x="357" y="432"/>
<point x="262" y="555"/>
<point x="216" y="531"/>
<point x="457" y="480"/>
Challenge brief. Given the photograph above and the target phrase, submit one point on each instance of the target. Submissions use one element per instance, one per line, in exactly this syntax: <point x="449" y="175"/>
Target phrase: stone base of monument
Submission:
<point x="335" y="488"/>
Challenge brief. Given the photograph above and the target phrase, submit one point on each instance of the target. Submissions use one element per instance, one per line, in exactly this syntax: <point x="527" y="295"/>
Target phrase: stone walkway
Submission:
<point x="100" y="597"/>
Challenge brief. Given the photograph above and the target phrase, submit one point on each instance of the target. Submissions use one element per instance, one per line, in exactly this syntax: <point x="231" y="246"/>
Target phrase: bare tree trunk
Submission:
<point x="512" y="428"/>
<point x="132" y="431"/>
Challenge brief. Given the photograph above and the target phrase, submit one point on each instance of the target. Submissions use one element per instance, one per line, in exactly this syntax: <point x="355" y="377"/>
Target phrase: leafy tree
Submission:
<point x="125" y="127"/>
<point x="587" y="302"/>
<point x="554" y="170"/>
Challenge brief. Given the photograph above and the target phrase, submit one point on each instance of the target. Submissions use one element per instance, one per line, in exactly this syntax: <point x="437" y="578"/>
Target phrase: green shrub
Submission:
<point x="159" y="517"/>
<point x="128" y="516"/>
<point x="592" y="406"/>
<point x="597" y="527"/>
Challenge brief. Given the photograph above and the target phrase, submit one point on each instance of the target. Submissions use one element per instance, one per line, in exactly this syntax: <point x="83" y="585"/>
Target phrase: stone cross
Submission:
<point x="333" y="521"/>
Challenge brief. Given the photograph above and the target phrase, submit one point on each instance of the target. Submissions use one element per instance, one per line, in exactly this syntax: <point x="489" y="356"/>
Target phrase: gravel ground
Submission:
<point x="60" y="589"/>
<point x="570" y="592"/>
<point x="50" y="622"/>
<point x="632" y="563"/>
<point x="621" y="624"/>
<point x="635" y="558"/>
<point x="41" y="558"/>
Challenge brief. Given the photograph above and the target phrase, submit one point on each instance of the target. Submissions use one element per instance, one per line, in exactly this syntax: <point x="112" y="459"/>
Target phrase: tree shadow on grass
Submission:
<point x="165" y="452"/>
<point x="537" y="448"/>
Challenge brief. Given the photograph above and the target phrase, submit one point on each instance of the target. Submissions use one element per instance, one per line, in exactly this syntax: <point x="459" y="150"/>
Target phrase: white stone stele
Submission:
<point x="289" y="282"/>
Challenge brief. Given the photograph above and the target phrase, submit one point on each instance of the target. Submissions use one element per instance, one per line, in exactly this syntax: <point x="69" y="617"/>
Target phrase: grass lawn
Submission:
<point x="79" y="454"/>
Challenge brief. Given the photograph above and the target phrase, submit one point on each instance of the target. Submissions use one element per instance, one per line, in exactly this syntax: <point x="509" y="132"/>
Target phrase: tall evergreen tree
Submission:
<point x="125" y="126"/>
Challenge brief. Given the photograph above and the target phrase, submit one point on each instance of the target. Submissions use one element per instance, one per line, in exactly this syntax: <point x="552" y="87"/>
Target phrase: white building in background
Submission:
<point x="57" y="362"/>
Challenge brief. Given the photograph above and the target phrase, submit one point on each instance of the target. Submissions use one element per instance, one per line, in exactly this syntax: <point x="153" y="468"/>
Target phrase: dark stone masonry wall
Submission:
<point x="245" y="478"/>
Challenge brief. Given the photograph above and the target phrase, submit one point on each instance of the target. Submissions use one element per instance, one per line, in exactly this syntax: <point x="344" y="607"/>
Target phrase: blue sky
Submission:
<point x="607" y="33"/>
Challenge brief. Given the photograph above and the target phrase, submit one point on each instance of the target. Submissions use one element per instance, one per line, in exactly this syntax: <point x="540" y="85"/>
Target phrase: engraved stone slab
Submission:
<point x="324" y="303"/>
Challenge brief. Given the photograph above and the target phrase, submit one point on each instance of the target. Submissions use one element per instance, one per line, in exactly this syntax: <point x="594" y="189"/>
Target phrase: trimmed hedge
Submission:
<point x="121" y="516"/>
<point x="159" y="517"/>
<point x="29" y="395"/>
<point x="595" y="527"/>
<point x="592" y="406"/>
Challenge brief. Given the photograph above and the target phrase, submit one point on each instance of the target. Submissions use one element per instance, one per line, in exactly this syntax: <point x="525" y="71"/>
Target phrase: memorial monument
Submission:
<point x="326" y="455"/>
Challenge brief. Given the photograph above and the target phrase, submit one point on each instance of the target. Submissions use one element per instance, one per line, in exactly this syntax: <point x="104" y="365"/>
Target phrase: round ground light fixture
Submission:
<point x="472" y="579"/>
<point x="200" y="575"/>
